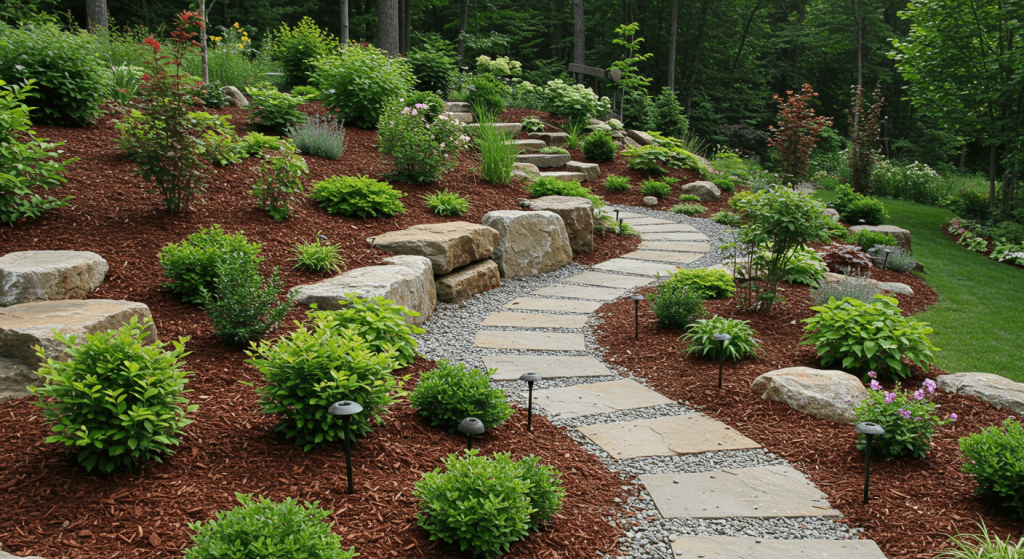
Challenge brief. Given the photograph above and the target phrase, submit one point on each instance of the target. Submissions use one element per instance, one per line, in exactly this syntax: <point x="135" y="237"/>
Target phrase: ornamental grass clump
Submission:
<point x="318" y="256"/>
<point x="117" y="401"/>
<point x="319" y="137"/>
<point x="498" y="151"/>
<point x="909" y="419"/>
<point x="445" y="203"/>
<point x="995" y="459"/>
<point x="698" y="338"/>
<point x="983" y="546"/>
<point x="451" y="392"/>
<point x="689" y="209"/>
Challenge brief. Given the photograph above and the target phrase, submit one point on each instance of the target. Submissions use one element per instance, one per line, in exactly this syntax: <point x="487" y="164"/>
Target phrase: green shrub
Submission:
<point x="548" y="186"/>
<point x="854" y="207"/>
<point x="117" y="399"/>
<point x="689" y="198"/>
<point x="909" y="421"/>
<point x="869" y="239"/>
<point x="599" y="146"/>
<point x="689" y="209"/>
<point x="615" y="183"/>
<point x="724" y="183"/>
<point x="211" y="95"/>
<point x="244" y="306"/>
<point x="638" y="110"/>
<point x="262" y="528"/>
<point x="379" y="321"/>
<point x="995" y="459"/>
<point x="319" y="256"/>
<point x="553" y="150"/>
<point x="675" y="306"/>
<point x="358" y="80"/>
<point x="319" y="137"/>
<point x="709" y="283"/>
<point x="70" y="81"/>
<point x="533" y="124"/>
<point x="837" y="231"/>
<point x="253" y="144"/>
<point x="868" y="337"/>
<point x="483" y="504"/>
<point x="297" y="48"/>
<point x="215" y="136"/>
<point x="727" y="218"/>
<point x="803" y="266"/>
<point x="487" y="94"/>
<point x="577" y="102"/>
<point x="450" y="393"/>
<point x="435" y="106"/>
<point x="434" y="69"/>
<point x="971" y="204"/>
<point x="317" y="365"/>
<point x="420" y="151"/>
<point x="982" y="546"/>
<point x="655" y="188"/>
<point x="742" y="344"/>
<point x="307" y="91"/>
<point x="445" y="203"/>
<point x="280" y="178"/>
<point x="360" y="197"/>
<point x="669" y="117"/>
<point x="192" y="265"/>
<point x="274" y="109"/>
<point x="653" y="159"/>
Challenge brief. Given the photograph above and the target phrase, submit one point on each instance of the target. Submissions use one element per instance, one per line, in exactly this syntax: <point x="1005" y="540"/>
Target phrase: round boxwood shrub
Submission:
<point x="192" y="265"/>
<point x="451" y="392"/>
<point x="995" y="458"/>
<point x="676" y="306"/>
<point x="357" y="81"/>
<point x="118" y="399"/>
<point x="599" y="146"/>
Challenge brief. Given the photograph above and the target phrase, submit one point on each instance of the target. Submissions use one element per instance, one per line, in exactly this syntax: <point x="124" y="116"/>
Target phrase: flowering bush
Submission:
<point x="501" y="66"/>
<point x="420" y="152"/>
<point x="577" y="101"/>
<point x="909" y="419"/>
<point x="916" y="182"/>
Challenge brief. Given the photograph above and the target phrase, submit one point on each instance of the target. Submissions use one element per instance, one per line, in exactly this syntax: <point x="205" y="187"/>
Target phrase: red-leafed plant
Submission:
<point x="796" y="132"/>
<point x="845" y="259"/>
<point x="865" y="127"/>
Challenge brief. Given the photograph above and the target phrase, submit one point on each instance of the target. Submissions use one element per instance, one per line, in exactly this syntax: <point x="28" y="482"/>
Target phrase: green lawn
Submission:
<point x="979" y="320"/>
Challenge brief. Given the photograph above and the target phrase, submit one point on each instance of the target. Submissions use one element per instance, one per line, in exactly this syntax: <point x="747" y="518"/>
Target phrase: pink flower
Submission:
<point x="414" y="112"/>
<point x="952" y="416"/>
<point x="919" y="395"/>
<point x="422" y="106"/>
<point x="875" y="385"/>
<point x="905" y="413"/>
<point x="873" y="374"/>
<point x="929" y="385"/>
<point x="917" y="419"/>
<point x="890" y="397"/>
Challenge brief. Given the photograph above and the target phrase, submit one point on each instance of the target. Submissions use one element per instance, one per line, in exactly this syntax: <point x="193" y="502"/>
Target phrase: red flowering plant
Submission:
<point x="796" y="132"/>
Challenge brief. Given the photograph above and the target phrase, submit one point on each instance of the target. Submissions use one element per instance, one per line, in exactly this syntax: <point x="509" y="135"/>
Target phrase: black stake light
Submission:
<point x="346" y="409"/>
<point x="636" y="315"/>
<point x="524" y="204"/>
<point x="721" y="339"/>
<point x="529" y="379"/>
<point x="869" y="430"/>
<point x="885" y="263"/>
<point x="617" y="216"/>
<point x="471" y="426"/>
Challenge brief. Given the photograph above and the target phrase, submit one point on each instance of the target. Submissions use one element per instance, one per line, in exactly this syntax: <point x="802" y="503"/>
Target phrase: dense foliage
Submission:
<point x="709" y="283"/>
<point x="192" y="264"/>
<point x="356" y="81"/>
<point x="360" y="197"/>
<point x="451" y="392"/>
<point x="379" y="321"/>
<point x="244" y="306"/>
<point x="996" y="462"/>
<point x="420" y="151"/>
<point x="297" y="48"/>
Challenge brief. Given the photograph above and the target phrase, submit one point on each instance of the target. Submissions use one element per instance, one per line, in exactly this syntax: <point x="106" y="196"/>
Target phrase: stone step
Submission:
<point x="610" y="280"/>
<point x="511" y="367"/>
<point x="544" y="160"/>
<point x="577" y="292"/>
<point x="622" y="215"/>
<point x="674" y="237"/>
<point x="661" y="256"/>
<point x="768" y="492"/>
<point x="556" y="139"/>
<point x="463" y="283"/>
<point x="465" y="118"/>
<point x="537" y="341"/>
<point x="590" y="170"/>
<point x="534" y="320"/>
<point x="726" y="547"/>
<point x="457" y="107"/>
<point x="559" y="305"/>
<point x="666" y="228"/>
<point x="638" y="267"/>
<point x="647" y="221"/>
<point x="676" y="246"/>
<point x="565" y="176"/>
<point x="529" y="145"/>
<point x="666" y="436"/>
<point x="509" y="128"/>
<point x="600" y="397"/>
<point x="49" y="275"/>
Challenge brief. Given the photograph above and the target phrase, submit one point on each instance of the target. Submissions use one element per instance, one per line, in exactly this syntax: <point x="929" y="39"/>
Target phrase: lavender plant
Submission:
<point x="909" y="419"/>
<point x="319" y="137"/>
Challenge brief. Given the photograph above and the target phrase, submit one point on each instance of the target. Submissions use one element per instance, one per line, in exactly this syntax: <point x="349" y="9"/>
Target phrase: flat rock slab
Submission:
<point x="768" y="492"/>
<point x="724" y="547"/>
<point x="662" y="256"/>
<point x="666" y="228"/>
<point x="674" y="237"/>
<point x="610" y="280"/>
<point x="544" y="160"/>
<point x="551" y="138"/>
<point x="648" y="221"/>
<point x="448" y="245"/>
<point x="999" y="391"/>
<point x="457" y="107"/>
<point x="465" y="118"/>
<point x="565" y="176"/>
<point x="49" y="275"/>
<point x="530" y="145"/>
<point x="537" y="341"/>
<point x="675" y="246"/>
<point x="601" y="397"/>
<point x="577" y="292"/>
<point x="558" y="305"/>
<point x="531" y="320"/>
<point x="511" y="367"/>
<point x="589" y="170"/>
<point x="508" y="128"/>
<point x="630" y="266"/>
<point x="666" y="436"/>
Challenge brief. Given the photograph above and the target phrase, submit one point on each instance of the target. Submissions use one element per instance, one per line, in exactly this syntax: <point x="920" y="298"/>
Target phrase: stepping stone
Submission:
<point x="610" y="280"/>
<point x="678" y="246"/>
<point x="678" y="257"/>
<point x="566" y="176"/>
<point x="509" y="128"/>
<point x="725" y="547"/>
<point x="457" y="107"/>
<point x="689" y="237"/>
<point x="538" y="341"/>
<point x="666" y="436"/>
<point x="531" y="320"/>
<point x="551" y="138"/>
<point x="768" y="492"/>
<point x="49" y="275"/>
<point x="624" y="215"/>
<point x="666" y="228"/>
<point x="511" y="367"/>
<point x="544" y="160"/>
<point x="530" y="145"/>
<point x="465" y="118"/>
<point x="649" y="221"/>
<point x="577" y="292"/>
<point x="559" y="305"/>
<point x="640" y="268"/>
<point x="601" y="397"/>
<point x="590" y="170"/>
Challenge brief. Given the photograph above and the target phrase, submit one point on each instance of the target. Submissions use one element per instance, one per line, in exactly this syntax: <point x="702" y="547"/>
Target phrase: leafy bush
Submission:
<point x="742" y="343"/>
<point x="487" y="94"/>
<point x="599" y="146"/>
<point x="279" y="179"/>
<point x="262" y="528"/>
<point x="483" y="504"/>
<point x="192" y="265"/>
<point x="117" y="399"/>
<point x="849" y="286"/>
<point x="244" y="305"/>
<point x="804" y="266"/>
<point x="548" y="186"/>
<point x="655" y="188"/>
<point x="653" y="159"/>
<point x="358" y="80"/>
<point x="297" y="48"/>
<point x="274" y="109"/>
<point x="615" y="183"/>
<point x="450" y="393"/>
<point x="689" y="209"/>
<point x="727" y="218"/>
<point x="500" y="66"/>
<point x="70" y="81"/>
<point x="577" y="102"/>
<point x="638" y="110"/>
<point x="854" y="207"/>
<point x="909" y="420"/>
<point x="838" y="232"/>
<point x="317" y="365"/>
<point x="668" y="115"/>
<point x="916" y="182"/>
<point x="435" y="106"/>
<point x="420" y="152"/>
<point x="724" y="183"/>
<point x="319" y="137"/>
<point x="211" y="95"/>
<point x="996" y="462"/>
<point x="676" y="306"/>
<point x="381" y="322"/>
<point x="689" y="198"/>
<point x="253" y="144"/>
<point x="796" y="131"/>
<point x="970" y="204"/>
<point x="709" y="283"/>
<point x="434" y="70"/>
<point x="307" y="91"/>
<point x="553" y="150"/>
<point x="870" y="239"/>
<point x="358" y="196"/>
<point x="445" y="203"/>
<point x="213" y="137"/>
<point x="125" y="81"/>
<point x="533" y="124"/>
<point x="868" y="337"/>
<point x="319" y="256"/>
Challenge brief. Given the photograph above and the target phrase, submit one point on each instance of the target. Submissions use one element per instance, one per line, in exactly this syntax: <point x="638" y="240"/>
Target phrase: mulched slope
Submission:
<point x="914" y="503"/>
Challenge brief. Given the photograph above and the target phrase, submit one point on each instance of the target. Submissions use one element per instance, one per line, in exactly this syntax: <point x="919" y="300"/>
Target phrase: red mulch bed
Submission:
<point x="914" y="503"/>
<point x="53" y="509"/>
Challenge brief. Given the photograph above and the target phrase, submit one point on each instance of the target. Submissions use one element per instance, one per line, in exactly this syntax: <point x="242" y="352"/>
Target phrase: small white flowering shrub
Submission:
<point x="501" y="66"/>
<point x="577" y="101"/>
<point x="420" y="151"/>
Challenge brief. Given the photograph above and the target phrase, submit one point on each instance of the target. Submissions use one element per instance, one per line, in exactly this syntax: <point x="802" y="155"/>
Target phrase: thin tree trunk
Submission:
<point x="387" y="26"/>
<point x="96" y="14"/>
<point x="556" y="33"/>
<point x="401" y="26"/>
<point x="344" y="22"/>
<point x="145" y="12"/>
<point x="579" y="37"/>
<point x="673" y="29"/>
<point x="463" y="20"/>
<point x="704" y="7"/>
<point x="739" y="51"/>
<point x="992" y="177"/>
<point x="963" y="156"/>
<point x="407" y="26"/>
<point x="202" y="42"/>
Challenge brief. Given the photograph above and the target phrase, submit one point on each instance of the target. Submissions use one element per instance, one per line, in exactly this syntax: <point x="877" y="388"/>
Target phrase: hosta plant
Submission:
<point x="909" y="419"/>
<point x="698" y="338"/>
<point x="451" y="392"/>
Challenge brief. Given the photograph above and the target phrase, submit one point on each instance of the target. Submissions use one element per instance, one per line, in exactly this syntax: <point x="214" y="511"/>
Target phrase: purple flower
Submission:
<point x="952" y="416"/>
<point x="905" y="413"/>
<point x="422" y="106"/>
<point x="873" y="374"/>
<point x="875" y="385"/>
<point x="919" y="394"/>
<point x="929" y="385"/>
<point x="890" y="397"/>
<point x="917" y="418"/>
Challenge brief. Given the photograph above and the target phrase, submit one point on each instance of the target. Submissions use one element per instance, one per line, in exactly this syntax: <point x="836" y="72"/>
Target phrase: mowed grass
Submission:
<point x="979" y="320"/>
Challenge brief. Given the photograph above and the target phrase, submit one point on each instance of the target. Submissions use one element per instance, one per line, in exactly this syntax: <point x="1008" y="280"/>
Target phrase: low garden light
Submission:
<point x="524" y="204"/>
<point x="617" y="216"/>
<point x="885" y="262"/>
<point x="721" y="339"/>
<point x="471" y="426"/>
<point x="346" y="409"/>
<point x="321" y="237"/>
<point x="529" y="379"/>
<point x="869" y="430"/>
<point x="636" y="314"/>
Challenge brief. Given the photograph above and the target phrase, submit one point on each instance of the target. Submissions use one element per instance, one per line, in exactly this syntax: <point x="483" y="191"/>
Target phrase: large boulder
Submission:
<point x="640" y="137"/>
<point x="901" y="235"/>
<point x="832" y="213"/>
<point x="531" y="243"/>
<point x="448" y="245"/>
<point x="577" y="214"/>
<point x="705" y="190"/>
<point x="829" y="395"/>
<point x="24" y="326"/>
<point x="544" y="160"/>
<point x="49" y="275"/>
<point x="234" y="96"/>
<point x="408" y="281"/>
<point x="15" y="378"/>
<point x="457" y="107"/>
<point x="879" y="287"/>
<point x="589" y="170"/>
<point x="468" y="281"/>
<point x="999" y="391"/>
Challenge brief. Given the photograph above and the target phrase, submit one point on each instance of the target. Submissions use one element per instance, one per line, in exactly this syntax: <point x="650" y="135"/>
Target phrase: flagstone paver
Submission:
<point x="674" y="237"/>
<point x="768" y="492"/>
<point x="661" y="256"/>
<point x="601" y="397"/>
<point x="511" y="367"/>
<point x="622" y="215"/>
<point x="540" y="341"/>
<point x="610" y="280"/>
<point x="666" y="436"/>
<point x="577" y="292"/>
<point x="630" y="266"/>
<point x="648" y="221"/>
<point x="666" y="228"/>
<point x="724" y="547"/>
<point x="531" y="320"/>
<point x="678" y="246"/>
<point x="556" y="305"/>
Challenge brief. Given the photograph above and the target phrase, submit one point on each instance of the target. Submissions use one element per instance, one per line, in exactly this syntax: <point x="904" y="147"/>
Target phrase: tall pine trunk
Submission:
<point x="556" y="32"/>
<point x="96" y="13"/>
<point x="202" y="43"/>
<point x="579" y="37"/>
<point x="463" y="21"/>
<point x="672" y="46"/>
<point x="387" y="26"/>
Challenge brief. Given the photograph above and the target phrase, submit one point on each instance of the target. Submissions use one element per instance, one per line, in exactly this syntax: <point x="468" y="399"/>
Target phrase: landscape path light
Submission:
<point x="869" y="430"/>
<point x="346" y="409"/>
<point x="721" y="339"/>
<point x="529" y="379"/>
<point x="636" y="314"/>
<point x="471" y="426"/>
<point x="617" y="217"/>
<point x="885" y="263"/>
<point x="524" y="204"/>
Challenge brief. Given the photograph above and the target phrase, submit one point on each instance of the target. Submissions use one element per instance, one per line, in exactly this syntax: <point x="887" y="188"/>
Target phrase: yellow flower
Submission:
<point x="236" y="24"/>
<point x="215" y="39"/>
